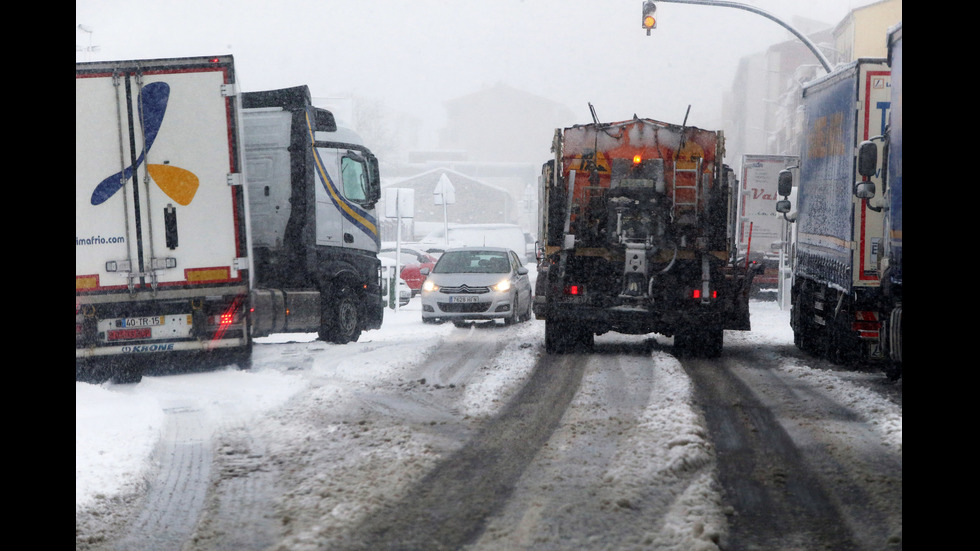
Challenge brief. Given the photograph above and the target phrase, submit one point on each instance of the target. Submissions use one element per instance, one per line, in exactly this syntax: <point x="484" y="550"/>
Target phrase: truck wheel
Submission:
<point x="125" y="371"/>
<point x="585" y="339"/>
<point x="893" y="370"/>
<point x="555" y="337"/>
<point x="700" y="342"/>
<point x="685" y="343"/>
<point x="340" y="322"/>
<point x="242" y="358"/>
<point x="713" y="342"/>
<point x="840" y="348"/>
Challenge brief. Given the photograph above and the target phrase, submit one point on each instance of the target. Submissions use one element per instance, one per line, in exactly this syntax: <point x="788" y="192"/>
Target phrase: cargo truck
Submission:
<point x="164" y="261"/>
<point x="760" y="228"/>
<point x="638" y="226"/>
<point x="836" y="288"/>
<point x="312" y="189"/>
<point x="890" y="254"/>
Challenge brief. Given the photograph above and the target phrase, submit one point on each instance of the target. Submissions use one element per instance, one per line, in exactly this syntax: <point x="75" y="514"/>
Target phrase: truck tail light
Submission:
<point x="866" y="324"/>
<point x="573" y="289"/>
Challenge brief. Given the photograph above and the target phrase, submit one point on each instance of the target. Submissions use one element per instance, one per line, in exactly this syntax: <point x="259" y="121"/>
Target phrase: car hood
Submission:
<point x="470" y="280"/>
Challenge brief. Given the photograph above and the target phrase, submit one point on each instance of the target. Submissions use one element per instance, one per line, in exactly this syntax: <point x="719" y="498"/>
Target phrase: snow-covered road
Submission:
<point x="346" y="431"/>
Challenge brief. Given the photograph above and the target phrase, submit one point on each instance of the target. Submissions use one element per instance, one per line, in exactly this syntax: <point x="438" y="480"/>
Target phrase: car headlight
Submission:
<point x="429" y="286"/>
<point x="502" y="286"/>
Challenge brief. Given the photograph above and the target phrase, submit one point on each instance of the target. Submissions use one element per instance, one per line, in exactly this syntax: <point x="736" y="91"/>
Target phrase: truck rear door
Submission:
<point x="157" y="197"/>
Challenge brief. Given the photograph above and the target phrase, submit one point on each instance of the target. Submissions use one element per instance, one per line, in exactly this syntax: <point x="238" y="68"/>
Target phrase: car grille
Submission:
<point x="464" y="289"/>
<point x="464" y="308"/>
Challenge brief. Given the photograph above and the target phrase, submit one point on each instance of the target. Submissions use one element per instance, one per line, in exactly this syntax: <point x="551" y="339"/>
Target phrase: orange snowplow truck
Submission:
<point x="637" y="224"/>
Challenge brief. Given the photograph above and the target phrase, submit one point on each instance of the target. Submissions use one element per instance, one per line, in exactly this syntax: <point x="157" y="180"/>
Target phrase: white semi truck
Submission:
<point x="205" y="217"/>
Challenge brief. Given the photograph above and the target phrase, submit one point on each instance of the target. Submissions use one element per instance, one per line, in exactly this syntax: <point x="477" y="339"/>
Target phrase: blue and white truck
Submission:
<point x="836" y="287"/>
<point x="890" y="256"/>
<point x="168" y="260"/>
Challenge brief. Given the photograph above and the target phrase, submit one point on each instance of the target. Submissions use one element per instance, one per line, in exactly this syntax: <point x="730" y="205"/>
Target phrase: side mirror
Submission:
<point x="784" y="183"/>
<point x="424" y="271"/>
<point x="373" y="191"/>
<point x="867" y="159"/>
<point x="522" y="270"/>
<point x="783" y="206"/>
<point x="864" y="189"/>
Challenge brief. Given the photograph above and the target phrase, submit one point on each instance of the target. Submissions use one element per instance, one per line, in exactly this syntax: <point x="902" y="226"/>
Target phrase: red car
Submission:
<point x="412" y="261"/>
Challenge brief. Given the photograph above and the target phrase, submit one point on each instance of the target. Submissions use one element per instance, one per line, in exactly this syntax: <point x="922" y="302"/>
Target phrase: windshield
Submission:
<point x="472" y="262"/>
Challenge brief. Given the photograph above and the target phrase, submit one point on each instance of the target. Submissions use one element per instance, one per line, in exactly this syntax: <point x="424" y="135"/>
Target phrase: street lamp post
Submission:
<point x="725" y="4"/>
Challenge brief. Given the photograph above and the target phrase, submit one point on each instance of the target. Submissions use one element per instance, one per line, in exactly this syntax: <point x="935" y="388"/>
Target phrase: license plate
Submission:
<point x="463" y="298"/>
<point x="145" y="321"/>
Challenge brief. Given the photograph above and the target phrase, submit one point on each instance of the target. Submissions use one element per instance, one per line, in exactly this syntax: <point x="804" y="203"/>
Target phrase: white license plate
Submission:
<point x="146" y="321"/>
<point x="462" y="298"/>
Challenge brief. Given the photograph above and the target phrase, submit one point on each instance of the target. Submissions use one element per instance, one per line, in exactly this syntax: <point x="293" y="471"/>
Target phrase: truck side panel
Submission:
<point x="759" y="225"/>
<point x="892" y="257"/>
<point x="838" y="236"/>
<point x="895" y="163"/>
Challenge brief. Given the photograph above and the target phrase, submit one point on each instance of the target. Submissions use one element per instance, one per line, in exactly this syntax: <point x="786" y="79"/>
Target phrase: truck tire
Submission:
<point x="556" y="337"/>
<point x="562" y="337"/>
<point x="807" y="336"/>
<point x="699" y="342"/>
<point x="340" y="321"/>
<point x="585" y="339"/>
<point x="125" y="371"/>
<point x="841" y="348"/>
<point x="713" y="339"/>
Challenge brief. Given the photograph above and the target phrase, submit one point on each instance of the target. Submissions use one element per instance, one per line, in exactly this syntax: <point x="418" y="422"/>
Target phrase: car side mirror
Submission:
<point x="424" y="271"/>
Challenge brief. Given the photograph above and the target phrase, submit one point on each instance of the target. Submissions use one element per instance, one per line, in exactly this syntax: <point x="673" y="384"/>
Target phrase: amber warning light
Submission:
<point x="649" y="20"/>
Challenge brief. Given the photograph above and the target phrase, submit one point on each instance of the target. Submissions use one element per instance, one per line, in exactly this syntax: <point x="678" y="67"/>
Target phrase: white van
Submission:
<point x="509" y="236"/>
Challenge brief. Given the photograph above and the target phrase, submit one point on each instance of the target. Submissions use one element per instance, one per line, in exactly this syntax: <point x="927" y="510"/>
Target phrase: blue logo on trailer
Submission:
<point x="179" y="184"/>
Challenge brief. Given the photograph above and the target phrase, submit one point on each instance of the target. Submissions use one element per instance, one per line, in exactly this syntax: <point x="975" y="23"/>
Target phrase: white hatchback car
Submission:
<point x="477" y="283"/>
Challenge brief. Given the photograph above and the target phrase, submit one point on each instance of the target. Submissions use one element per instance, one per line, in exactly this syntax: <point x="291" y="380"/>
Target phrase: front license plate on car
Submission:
<point x="462" y="298"/>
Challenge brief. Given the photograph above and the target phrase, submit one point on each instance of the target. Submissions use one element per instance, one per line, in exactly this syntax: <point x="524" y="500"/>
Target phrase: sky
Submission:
<point x="414" y="56"/>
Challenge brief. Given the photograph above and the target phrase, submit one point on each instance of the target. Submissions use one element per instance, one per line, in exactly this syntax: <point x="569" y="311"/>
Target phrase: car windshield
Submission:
<point x="472" y="262"/>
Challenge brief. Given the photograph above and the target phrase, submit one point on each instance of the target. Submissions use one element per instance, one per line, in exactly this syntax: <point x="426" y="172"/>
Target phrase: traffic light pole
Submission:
<point x="767" y="15"/>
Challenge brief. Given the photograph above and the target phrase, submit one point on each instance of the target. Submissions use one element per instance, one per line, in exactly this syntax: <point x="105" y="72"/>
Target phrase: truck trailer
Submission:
<point x="890" y="254"/>
<point x="760" y="229"/>
<point x="638" y="232"/>
<point x="164" y="261"/>
<point x="836" y="286"/>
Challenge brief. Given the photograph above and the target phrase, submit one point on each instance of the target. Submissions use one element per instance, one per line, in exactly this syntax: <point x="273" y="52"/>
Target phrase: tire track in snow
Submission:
<point x="175" y="498"/>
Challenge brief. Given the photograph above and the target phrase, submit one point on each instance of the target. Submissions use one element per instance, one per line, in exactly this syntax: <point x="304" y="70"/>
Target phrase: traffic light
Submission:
<point x="649" y="20"/>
